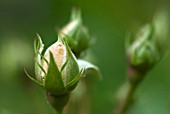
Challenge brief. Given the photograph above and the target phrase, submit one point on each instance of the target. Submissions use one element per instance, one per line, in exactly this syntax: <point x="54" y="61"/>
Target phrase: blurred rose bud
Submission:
<point x="150" y="44"/>
<point x="78" y="36"/>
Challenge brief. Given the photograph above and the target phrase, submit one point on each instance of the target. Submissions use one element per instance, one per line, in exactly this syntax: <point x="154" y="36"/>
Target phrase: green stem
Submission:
<point x="134" y="78"/>
<point x="125" y="103"/>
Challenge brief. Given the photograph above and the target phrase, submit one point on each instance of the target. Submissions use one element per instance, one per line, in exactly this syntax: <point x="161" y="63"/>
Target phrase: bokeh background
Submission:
<point x="108" y="22"/>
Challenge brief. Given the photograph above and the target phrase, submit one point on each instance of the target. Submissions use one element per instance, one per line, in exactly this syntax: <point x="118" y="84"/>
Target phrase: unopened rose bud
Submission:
<point x="149" y="46"/>
<point x="57" y="71"/>
<point x="142" y="53"/>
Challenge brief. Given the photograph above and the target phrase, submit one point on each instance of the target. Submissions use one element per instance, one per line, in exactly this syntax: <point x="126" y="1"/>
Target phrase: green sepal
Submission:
<point x="129" y="38"/>
<point x="38" y="48"/>
<point x="62" y="68"/>
<point x="42" y="69"/>
<point x="75" y="14"/>
<point x="43" y="58"/>
<point x="70" y="40"/>
<point x="53" y="80"/>
<point x="34" y="80"/>
<point x="82" y="39"/>
<point x="72" y="84"/>
<point x="38" y="44"/>
<point x="90" y="69"/>
<point x="71" y="67"/>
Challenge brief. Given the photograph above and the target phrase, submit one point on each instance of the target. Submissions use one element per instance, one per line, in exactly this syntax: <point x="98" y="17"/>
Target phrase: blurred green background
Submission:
<point x="108" y="21"/>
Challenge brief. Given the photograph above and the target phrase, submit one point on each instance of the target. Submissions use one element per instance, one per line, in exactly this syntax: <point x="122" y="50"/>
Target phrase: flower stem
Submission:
<point x="134" y="78"/>
<point x="125" y="102"/>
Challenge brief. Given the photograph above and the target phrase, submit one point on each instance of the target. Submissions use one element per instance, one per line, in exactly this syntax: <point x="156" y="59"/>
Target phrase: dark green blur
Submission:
<point x="108" y="22"/>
